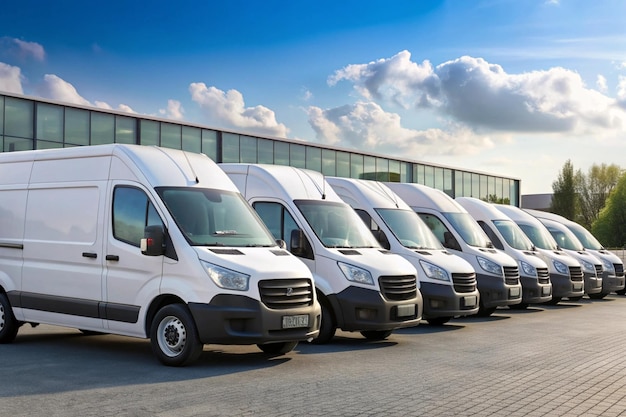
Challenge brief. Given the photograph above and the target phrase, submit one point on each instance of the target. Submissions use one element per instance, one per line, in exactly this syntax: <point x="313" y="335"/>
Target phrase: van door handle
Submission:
<point x="90" y="255"/>
<point x="112" y="258"/>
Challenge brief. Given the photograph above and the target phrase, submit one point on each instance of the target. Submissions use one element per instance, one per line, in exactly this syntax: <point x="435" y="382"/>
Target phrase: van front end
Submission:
<point x="287" y="311"/>
<point x="444" y="301"/>
<point x="612" y="275"/>
<point x="398" y="304"/>
<point x="536" y="285"/>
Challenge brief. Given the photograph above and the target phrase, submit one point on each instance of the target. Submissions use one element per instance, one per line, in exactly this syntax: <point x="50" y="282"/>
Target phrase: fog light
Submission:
<point x="365" y="314"/>
<point x="436" y="304"/>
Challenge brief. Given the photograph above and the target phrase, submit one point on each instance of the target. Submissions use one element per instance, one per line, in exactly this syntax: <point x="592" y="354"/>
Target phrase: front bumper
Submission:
<point x="441" y="300"/>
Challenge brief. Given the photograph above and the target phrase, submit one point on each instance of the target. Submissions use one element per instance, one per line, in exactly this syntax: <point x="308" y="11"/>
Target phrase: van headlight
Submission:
<point x="489" y="266"/>
<point x="608" y="266"/>
<point x="560" y="267"/>
<point x="434" y="272"/>
<point x="588" y="266"/>
<point x="529" y="270"/>
<point x="356" y="274"/>
<point x="227" y="278"/>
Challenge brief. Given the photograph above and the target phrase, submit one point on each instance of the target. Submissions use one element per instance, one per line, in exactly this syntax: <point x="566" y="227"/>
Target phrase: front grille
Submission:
<point x="397" y="288"/>
<point x="543" y="275"/>
<point x="511" y="275"/>
<point x="282" y="294"/>
<point x="619" y="270"/>
<point x="464" y="282"/>
<point x="576" y="273"/>
<point x="598" y="270"/>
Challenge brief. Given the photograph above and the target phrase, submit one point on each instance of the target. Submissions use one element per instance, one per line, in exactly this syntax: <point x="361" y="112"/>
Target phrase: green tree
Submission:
<point x="610" y="226"/>
<point x="564" y="200"/>
<point x="593" y="190"/>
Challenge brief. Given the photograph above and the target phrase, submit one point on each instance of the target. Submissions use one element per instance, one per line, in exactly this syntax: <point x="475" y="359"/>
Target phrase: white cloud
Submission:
<point x="174" y="110"/>
<point x="55" y="88"/>
<point x="228" y="109"/>
<point x="367" y="125"/>
<point x="621" y="91"/>
<point x="30" y="49"/>
<point x="483" y="96"/>
<point x="601" y="83"/>
<point x="10" y="79"/>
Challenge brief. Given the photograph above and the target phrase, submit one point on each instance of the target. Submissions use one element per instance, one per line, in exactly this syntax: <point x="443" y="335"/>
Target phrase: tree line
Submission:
<point x="595" y="199"/>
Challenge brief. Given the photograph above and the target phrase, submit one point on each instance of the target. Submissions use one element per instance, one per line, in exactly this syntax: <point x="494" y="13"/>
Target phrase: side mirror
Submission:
<point x="153" y="242"/>
<point x="300" y="245"/>
<point x="281" y="243"/>
<point x="450" y="241"/>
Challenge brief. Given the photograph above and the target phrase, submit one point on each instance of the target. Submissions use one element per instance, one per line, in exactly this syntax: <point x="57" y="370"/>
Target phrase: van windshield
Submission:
<point x="585" y="237"/>
<point x="336" y="224"/>
<point x="540" y="236"/>
<point x="565" y="238"/>
<point x="470" y="231"/>
<point x="513" y="235"/>
<point x="409" y="229"/>
<point x="210" y="217"/>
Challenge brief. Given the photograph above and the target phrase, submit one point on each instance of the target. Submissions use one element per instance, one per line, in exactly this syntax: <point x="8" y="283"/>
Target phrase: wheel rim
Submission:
<point x="171" y="336"/>
<point x="2" y="318"/>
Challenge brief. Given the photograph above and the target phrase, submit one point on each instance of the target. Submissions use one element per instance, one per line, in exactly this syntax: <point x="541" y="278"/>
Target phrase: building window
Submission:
<point x="356" y="166"/>
<point x="17" y="144"/>
<point x="343" y="164"/>
<point x="447" y="181"/>
<point x="1" y="115"/>
<point x="125" y="130"/>
<point x="149" y="133"/>
<point x="248" y="149"/>
<point x="102" y="128"/>
<point x="382" y="169"/>
<point x="429" y="176"/>
<point x="19" y="116"/>
<point x="314" y="158"/>
<point x="49" y="123"/>
<point x="230" y="147"/>
<point x="76" y="126"/>
<point x="209" y="143"/>
<point x="328" y="162"/>
<point x="192" y="141"/>
<point x="171" y="136"/>
<point x="265" y="151"/>
<point x="297" y="155"/>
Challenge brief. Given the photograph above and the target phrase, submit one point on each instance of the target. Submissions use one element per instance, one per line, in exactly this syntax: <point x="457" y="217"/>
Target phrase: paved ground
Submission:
<point x="566" y="360"/>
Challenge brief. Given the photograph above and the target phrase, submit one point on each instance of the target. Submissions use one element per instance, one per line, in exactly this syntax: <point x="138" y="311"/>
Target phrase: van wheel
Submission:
<point x="485" y="312"/>
<point x="520" y="306"/>
<point x="598" y="296"/>
<point x="174" y="337"/>
<point x="278" y="348"/>
<point x="577" y="298"/>
<point x="438" y="321"/>
<point x="554" y="301"/>
<point x="8" y="324"/>
<point x="327" y="326"/>
<point x="376" y="334"/>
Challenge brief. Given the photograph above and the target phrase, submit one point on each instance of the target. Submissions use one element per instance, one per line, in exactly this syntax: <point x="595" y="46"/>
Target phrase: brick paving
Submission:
<point x="564" y="360"/>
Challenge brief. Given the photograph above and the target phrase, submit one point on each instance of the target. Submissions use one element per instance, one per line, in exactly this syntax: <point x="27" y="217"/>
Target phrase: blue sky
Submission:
<point x="513" y="88"/>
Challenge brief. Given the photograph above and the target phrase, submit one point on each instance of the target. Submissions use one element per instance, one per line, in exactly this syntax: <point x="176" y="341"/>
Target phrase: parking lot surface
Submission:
<point x="564" y="360"/>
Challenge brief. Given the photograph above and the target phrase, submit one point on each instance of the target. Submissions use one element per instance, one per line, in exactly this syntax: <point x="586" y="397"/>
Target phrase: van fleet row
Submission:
<point x="163" y="244"/>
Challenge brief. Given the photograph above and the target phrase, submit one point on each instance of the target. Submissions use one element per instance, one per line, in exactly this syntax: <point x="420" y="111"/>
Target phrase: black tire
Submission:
<point x="485" y="312"/>
<point x="621" y="292"/>
<point x="8" y="324"/>
<point x="577" y="298"/>
<point x="327" y="326"/>
<point x="174" y="337"/>
<point x="598" y="296"/>
<point x="438" y="321"/>
<point x="278" y="348"/>
<point x="554" y="301"/>
<point x="376" y="334"/>
<point x="520" y="306"/>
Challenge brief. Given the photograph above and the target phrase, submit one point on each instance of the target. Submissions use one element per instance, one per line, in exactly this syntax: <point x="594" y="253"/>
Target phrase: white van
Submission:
<point x="506" y="235"/>
<point x="447" y="281"/>
<point x="497" y="274"/>
<point x="612" y="265"/>
<point x="566" y="273"/>
<point x="569" y="243"/>
<point x="146" y="242"/>
<point x="361" y="286"/>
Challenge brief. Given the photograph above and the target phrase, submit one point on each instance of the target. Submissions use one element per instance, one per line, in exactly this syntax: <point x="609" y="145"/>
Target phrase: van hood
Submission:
<point x="263" y="263"/>
<point x="452" y="263"/>
<point x="376" y="260"/>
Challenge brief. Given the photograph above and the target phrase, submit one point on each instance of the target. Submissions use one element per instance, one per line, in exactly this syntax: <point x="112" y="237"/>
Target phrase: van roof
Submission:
<point x="480" y="209"/>
<point x="417" y="195"/>
<point x="367" y="192"/>
<point x="285" y="182"/>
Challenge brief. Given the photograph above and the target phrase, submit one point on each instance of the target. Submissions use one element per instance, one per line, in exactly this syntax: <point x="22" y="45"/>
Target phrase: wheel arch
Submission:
<point x="156" y="304"/>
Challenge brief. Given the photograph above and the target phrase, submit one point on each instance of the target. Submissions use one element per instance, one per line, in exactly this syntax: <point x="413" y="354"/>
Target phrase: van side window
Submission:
<point x="374" y="228"/>
<point x="277" y="219"/>
<point x="492" y="236"/>
<point x="132" y="212"/>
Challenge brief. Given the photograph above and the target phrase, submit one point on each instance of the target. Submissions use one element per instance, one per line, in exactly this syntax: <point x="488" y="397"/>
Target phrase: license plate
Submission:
<point x="292" y="322"/>
<point x="514" y="292"/>
<point x="469" y="301"/>
<point x="545" y="291"/>
<point x="406" y="310"/>
<point x="578" y="287"/>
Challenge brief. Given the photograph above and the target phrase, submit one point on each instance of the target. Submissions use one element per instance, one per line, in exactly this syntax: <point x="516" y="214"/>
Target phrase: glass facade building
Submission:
<point x="28" y="123"/>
